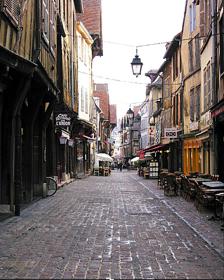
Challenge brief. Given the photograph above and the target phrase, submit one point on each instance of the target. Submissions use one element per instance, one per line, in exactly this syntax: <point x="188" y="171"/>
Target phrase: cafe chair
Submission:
<point x="106" y="171"/>
<point x="215" y="177"/>
<point x="171" y="188"/>
<point x="188" y="189"/>
<point x="96" y="172"/>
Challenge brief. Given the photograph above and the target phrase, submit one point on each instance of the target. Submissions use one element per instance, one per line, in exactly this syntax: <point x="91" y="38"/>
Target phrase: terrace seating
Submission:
<point x="146" y="172"/>
<point x="171" y="188"/>
<point x="214" y="177"/>
<point x="96" y="172"/>
<point x="204" y="201"/>
<point x="162" y="180"/>
<point x="106" y="171"/>
<point x="188" y="189"/>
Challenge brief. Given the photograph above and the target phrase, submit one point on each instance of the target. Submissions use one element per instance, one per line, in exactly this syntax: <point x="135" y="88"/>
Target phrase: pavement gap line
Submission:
<point x="183" y="219"/>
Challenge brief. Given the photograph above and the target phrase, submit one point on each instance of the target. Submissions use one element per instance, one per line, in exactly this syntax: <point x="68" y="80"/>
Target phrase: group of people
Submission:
<point x="122" y="165"/>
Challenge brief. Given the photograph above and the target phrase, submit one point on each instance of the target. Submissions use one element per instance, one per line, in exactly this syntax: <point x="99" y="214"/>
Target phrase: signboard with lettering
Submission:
<point x="63" y="119"/>
<point x="170" y="132"/>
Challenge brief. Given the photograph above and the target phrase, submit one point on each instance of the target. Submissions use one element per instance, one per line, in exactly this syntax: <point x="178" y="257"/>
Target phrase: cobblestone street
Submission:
<point x="119" y="227"/>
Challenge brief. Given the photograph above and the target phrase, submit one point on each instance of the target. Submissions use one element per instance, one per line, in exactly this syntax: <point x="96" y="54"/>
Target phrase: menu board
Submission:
<point x="153" y="169"/>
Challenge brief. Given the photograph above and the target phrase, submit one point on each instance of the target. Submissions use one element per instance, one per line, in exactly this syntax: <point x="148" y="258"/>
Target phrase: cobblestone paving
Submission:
<point x="119" y="227"/>
<point x="209" y="230"/>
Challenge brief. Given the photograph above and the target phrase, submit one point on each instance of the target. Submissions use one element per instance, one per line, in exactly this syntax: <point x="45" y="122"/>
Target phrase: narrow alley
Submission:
<point x="116" y="227"/>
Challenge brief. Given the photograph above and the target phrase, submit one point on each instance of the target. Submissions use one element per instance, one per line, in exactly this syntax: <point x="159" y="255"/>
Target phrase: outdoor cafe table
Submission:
<point x="200" y="180"/>
<point x="213" y="184"/>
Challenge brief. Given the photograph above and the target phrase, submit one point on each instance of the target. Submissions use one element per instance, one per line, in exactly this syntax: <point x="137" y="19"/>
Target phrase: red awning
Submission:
<point x="140" y="154"/>
<point x="155" y="148"/>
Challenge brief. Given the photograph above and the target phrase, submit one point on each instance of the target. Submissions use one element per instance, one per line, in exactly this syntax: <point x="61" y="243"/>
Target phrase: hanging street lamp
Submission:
<point x="136" y="65"/>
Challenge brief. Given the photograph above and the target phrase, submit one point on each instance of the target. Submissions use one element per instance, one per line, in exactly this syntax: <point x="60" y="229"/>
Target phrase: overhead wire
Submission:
<point x="125" y="81"/>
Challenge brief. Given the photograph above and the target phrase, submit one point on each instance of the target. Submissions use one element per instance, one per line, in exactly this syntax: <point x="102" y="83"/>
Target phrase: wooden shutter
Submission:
<point x="198" y="96"/>
<point x="192" y="105"/>
<point x="12" y="9"/>
<point x="190" y="56"/>
<point x="205" y="90"/>
<point x="174" y="110"/>
<point x="177" y="109"/>
<point x="209" y="84"/>
<point x="202" y="18"/>
<point x="197" y="51"/>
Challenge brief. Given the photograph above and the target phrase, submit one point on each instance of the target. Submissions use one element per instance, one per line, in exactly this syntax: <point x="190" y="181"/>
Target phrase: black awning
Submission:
<point x="156" y="148"/>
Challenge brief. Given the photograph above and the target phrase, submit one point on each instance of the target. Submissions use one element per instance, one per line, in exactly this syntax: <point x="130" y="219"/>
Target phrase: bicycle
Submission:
<point x="52" y="186"/>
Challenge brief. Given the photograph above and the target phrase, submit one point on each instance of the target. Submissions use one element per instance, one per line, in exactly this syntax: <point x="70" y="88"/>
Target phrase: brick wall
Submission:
<point x="101" y="91"/>
<point x="113" y="114"/>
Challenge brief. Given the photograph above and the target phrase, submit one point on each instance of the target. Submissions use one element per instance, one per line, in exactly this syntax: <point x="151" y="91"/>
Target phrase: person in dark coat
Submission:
<point x="120" y="166"/>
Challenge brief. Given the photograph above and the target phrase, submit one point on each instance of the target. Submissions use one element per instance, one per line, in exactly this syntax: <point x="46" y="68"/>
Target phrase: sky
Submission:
<point x="128" y="24"/>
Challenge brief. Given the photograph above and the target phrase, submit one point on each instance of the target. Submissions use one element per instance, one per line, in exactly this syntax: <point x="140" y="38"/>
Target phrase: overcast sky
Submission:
<point x="127" y="24"/>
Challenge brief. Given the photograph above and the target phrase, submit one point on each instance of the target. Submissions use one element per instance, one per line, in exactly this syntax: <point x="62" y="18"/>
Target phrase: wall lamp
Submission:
<point x="136" y="65"/>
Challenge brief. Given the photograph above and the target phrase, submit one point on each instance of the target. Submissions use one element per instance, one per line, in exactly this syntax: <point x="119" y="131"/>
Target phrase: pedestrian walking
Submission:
<point x="120" y="166"/>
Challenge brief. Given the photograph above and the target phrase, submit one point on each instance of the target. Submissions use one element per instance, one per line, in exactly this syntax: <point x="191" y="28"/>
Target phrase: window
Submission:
<point x="207" y="87"/>
<point x="45" y="19"/>
<point x="195" y="104"/>
<point x="175" y="110"/>
<point x="194" y="54"/>
<point x="205" y="17"/>
<point x="11" y="9"/>
<point x="49" y="23"/>
<point x="52" y="26"/>
<point x="192" y="17"/>
<point x="221" y="26"/>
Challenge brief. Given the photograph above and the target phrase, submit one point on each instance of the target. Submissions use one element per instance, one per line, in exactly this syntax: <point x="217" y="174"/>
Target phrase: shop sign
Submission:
<point x="63" y="119"/>
<point x="157" y="138"/>
<point x="170" y="132"/>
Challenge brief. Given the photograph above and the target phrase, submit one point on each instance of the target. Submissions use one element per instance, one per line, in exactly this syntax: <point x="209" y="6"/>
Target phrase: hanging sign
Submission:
<point x="170" y="132"/>
<point x="63" y="119"/>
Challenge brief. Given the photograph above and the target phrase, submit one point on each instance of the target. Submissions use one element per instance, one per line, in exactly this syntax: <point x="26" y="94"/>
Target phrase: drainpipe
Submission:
<point x="214" y="78"/>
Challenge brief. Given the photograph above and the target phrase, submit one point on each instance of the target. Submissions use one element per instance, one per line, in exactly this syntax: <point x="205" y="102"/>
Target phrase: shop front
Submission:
<point x="217" y="114"/>
<point x="191" y="156"/>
